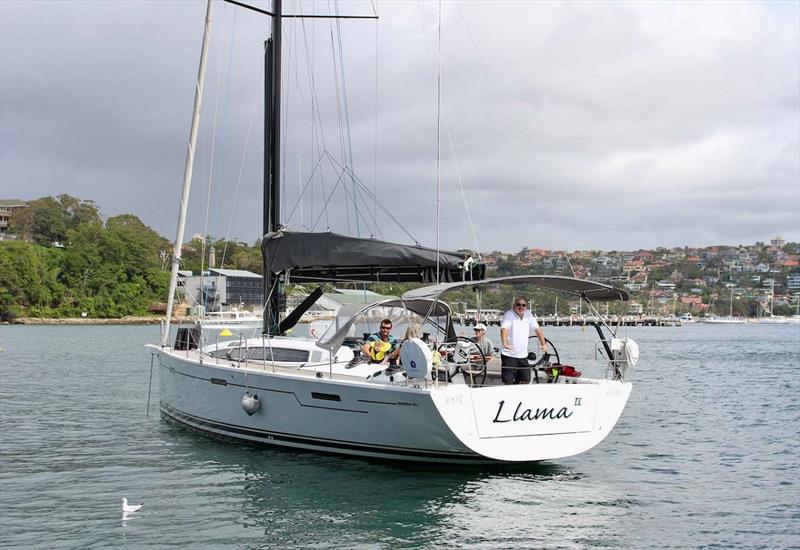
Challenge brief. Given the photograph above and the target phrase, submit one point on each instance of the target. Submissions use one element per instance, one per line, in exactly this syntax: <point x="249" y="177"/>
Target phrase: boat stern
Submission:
<point x="532" y="422"/>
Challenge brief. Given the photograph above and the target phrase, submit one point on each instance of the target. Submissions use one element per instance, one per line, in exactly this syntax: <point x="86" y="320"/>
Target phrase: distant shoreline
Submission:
<point x="129" y="320"/>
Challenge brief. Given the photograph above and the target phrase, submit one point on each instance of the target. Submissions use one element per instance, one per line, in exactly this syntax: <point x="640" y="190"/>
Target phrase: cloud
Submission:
<point x="574" y="125"/>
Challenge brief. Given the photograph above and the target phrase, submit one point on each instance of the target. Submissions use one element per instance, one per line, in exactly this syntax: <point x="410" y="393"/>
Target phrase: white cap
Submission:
<point x="480" y="326"/>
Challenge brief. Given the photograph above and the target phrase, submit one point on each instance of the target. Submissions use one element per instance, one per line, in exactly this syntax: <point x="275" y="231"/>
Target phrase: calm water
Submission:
<point x="707" y="454"/>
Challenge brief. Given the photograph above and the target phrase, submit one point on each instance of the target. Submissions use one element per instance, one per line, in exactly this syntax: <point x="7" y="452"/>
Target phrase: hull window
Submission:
<point x="286" y="355"/>
<point x="326" y="396"/>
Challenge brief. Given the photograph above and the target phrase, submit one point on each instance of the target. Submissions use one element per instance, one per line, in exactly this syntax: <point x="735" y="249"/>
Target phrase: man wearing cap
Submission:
<point x="482" y="342"/>
<point x="517" y="326"/>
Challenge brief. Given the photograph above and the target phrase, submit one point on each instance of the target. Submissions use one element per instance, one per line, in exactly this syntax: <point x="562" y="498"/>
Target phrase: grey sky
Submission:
<point x="574" y="125"/>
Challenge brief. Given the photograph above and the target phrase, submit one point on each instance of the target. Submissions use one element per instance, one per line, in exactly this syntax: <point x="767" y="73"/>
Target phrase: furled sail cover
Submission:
<point x="333" y="257"/>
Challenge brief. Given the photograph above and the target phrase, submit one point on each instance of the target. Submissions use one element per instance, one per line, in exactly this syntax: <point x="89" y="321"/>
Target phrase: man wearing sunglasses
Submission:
<point x="382" y="346"/>
<point x="517" y="326"/>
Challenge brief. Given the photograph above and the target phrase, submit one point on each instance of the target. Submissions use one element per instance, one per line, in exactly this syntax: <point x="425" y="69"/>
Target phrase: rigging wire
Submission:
<point x="438" y="141"/>
<point x="357" y="189"/>
<point x="299" y="35"/>
<point x="211" y="177"/>
<point x="373" y="211"/>
<point x="223" y="138"/>
<point x="318" y="143"/>
<point x="318" y="138"/>
<point x="319" y="148"/>
<point x="445" y="120"/>
<point x="374" y="228"/>
<point x="346" y="111"/>
<point x="296" y="48"/>
<point x="308" y="185"/>
<point x="375" y="119"/>
<point x="225" y="125"/>
<point x="338" y="109"/>
<point x="286" y="97"/>
<point x="461" y="188"/>
<point x="372" y="197"/>
<point x="348" y="195"/>
<point x="241" y="171"/>
<point x="312" y="58"/>
<point x="515" y="138"/>
<point x="325" y="206"/>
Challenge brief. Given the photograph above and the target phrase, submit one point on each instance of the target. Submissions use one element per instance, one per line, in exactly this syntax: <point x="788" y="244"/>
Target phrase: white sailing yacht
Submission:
<point x="443" y="401"/>
<point x="729" y="320"/>
<point x="769" y="318"/>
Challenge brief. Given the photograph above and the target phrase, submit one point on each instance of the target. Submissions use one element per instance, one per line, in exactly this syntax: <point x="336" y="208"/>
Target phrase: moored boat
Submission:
<point x="442" y="401"/>
<point x="301" y="393"/>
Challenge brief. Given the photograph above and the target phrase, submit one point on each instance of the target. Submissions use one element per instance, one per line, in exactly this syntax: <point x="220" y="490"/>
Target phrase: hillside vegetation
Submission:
<point x="69" y="261"/>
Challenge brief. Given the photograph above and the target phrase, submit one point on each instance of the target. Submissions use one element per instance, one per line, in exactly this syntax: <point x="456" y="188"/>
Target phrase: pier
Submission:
<point x="590" y="320"/>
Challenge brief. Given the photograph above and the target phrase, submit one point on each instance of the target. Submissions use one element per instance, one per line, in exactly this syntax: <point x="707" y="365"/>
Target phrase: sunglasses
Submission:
<point x="520" y="304"/>
<point x="386" y="328"/>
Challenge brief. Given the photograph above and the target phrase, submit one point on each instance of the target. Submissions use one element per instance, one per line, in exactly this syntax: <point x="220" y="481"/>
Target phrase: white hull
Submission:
<point x="309" y="409"/>
<point x="241" y="326"/>
<point x="774" y="320"/>
<point x="235" y="320"/>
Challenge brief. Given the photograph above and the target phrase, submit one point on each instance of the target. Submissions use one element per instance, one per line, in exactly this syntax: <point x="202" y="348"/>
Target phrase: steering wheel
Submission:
<point x="551" y="350"/>
<point x="475" y="369"/>
<point x="544" y="360"/>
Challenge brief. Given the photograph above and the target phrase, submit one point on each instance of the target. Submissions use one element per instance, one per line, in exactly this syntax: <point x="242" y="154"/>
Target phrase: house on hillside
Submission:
<point x="9" y="207"/>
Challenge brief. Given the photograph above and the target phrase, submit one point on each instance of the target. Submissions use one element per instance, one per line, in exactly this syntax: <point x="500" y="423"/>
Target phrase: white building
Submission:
<point x="215" y="289"/>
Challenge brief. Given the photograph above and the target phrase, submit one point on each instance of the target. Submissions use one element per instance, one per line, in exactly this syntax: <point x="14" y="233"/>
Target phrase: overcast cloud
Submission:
<point x="573" y="125"/>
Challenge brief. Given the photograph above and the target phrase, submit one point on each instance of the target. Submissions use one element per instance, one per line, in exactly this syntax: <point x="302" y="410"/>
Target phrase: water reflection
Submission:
<point x="308" y="499"/>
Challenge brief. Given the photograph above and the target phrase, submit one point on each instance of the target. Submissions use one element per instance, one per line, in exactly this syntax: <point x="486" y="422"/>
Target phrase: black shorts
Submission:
<point x="515" y="370"/>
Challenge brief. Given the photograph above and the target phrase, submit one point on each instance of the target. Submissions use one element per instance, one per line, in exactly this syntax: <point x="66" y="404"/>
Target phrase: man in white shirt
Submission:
<point x="517" y="326"/>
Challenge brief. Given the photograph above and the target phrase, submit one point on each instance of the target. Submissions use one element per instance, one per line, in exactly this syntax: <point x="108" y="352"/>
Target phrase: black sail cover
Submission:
<point x="333" y="257"/>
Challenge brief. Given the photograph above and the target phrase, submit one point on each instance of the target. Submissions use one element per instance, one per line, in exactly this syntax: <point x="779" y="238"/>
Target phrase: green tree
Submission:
<point x="29" y="275"/>
<point x="47" y="220"/>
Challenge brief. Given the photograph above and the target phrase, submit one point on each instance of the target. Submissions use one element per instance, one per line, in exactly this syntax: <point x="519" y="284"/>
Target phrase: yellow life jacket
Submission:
<point x="378" y="350"/>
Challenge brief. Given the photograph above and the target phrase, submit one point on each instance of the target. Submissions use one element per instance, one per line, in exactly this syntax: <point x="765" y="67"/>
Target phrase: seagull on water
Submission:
<point x="130" y="508"/>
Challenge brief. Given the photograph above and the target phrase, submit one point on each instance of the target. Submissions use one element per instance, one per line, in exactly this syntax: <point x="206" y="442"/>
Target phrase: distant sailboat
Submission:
<point x="769" y="318"/>
<point x="729" y="320"/>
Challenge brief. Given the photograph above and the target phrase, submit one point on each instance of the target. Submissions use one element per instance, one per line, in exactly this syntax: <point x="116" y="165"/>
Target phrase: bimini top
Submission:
<point x="588" y="290"/>
<point x="332" y="257"/>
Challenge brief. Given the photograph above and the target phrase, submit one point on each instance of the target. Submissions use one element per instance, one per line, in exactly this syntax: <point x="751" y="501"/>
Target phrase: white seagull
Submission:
<point x="130" y="508"/>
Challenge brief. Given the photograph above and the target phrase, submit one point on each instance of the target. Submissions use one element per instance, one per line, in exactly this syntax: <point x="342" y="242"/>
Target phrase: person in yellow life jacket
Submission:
<point x="382" y="346"/>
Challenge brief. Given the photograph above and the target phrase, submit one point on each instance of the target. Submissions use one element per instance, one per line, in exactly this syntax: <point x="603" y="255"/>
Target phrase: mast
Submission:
<point x="187" y="176"/>
<point x="272" y="143"/>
